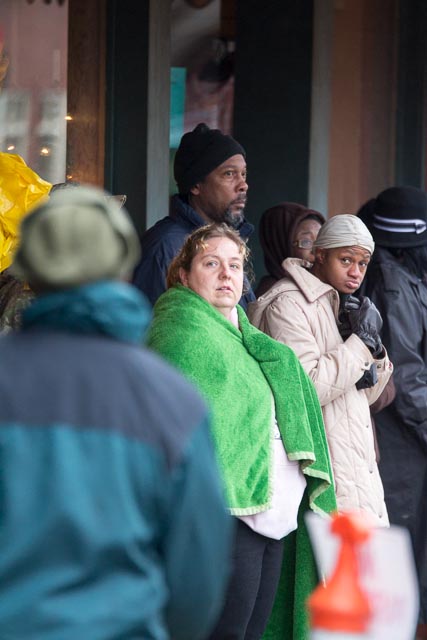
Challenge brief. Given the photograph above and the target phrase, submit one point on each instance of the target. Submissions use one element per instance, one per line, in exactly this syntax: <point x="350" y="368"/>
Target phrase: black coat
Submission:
<point x="402" y="426"/>
<point x="161" y="243"/>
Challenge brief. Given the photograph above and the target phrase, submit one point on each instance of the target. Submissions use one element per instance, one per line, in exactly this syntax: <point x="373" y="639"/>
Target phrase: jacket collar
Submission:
<point x="181" y="212"/>
<point x="384" y="258"/>
<point x="311" y="287"/>
<point x="109" y="308"/>
<point x="299" y="278"/>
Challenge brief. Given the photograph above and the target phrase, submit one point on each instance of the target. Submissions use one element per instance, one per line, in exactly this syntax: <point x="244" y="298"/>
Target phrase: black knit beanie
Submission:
<point x="200" y="152"/>
<point x="399" y="218"/>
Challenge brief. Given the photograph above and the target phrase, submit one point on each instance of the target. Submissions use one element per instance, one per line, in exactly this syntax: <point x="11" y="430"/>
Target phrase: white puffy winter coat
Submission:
<point x="301" y="311"/>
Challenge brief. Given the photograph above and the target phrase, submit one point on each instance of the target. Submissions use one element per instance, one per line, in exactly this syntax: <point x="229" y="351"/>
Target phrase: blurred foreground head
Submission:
<point x="77" y="237"/>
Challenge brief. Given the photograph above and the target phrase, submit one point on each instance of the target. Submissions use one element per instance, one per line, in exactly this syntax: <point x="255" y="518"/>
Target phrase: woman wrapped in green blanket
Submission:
<point x="267" y="428"/>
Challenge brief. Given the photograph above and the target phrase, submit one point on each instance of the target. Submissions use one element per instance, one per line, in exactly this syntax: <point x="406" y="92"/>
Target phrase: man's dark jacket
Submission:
<point x="161" y="243"/>
<point x="401" y="299"/>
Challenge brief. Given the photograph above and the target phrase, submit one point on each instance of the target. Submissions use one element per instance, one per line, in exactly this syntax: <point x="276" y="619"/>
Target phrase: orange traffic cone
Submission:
<point x="340" y="610"/>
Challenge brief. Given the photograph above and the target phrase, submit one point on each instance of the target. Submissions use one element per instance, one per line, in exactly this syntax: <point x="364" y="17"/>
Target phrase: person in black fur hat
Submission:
<point x="397" y="284"/>
<point x="210" y="172"/>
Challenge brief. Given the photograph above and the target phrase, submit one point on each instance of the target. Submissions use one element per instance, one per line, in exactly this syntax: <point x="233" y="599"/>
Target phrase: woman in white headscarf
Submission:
<point x="337" y="339"/>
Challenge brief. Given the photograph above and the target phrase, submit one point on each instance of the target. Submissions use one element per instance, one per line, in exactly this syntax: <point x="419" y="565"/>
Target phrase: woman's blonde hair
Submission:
<point x="197" y="242"/>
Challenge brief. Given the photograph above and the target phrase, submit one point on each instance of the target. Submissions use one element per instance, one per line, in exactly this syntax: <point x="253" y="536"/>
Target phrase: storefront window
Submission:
<point x="33" y="84"/>
<point x="202" y="61"/>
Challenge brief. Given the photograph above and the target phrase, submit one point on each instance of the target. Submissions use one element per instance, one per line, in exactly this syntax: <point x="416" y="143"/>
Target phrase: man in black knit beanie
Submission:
<point x="210" y="172"/>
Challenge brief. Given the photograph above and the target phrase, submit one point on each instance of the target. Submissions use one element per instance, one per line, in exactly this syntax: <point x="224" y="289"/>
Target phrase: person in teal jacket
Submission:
<point x="113" y="523"/>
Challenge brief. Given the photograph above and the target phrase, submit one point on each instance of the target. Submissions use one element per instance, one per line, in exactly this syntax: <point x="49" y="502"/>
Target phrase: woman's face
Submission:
<point x="216" y="274"/>
<point x="343" y="268"/>
<point x="305" y="234"/>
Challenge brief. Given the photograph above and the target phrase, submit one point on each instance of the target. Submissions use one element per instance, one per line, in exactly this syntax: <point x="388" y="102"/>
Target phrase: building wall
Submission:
<point x="272" y="103"/>
<point x="363" y="102"/>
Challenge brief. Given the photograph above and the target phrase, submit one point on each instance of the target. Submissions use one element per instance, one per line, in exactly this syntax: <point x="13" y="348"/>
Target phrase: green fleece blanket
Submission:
<point x="245" y="375"/>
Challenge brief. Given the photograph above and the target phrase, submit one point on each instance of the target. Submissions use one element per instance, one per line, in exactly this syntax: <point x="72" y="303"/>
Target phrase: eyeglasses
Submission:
<point x="305" y="243"/>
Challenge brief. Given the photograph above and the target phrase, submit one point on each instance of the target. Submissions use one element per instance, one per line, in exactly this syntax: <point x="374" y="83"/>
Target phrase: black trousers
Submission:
<point x="257" y="562"/>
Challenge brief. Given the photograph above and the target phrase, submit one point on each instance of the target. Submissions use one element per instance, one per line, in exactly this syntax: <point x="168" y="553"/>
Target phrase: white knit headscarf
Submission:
<point x="344" y="230"/>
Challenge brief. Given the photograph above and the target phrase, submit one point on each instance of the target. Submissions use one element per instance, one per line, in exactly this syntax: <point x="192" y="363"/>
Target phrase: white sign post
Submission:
<point x="387" y="575"/>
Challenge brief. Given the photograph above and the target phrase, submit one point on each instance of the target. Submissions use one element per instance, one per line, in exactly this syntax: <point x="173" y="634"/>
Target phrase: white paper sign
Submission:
<point x="387" y="575"/>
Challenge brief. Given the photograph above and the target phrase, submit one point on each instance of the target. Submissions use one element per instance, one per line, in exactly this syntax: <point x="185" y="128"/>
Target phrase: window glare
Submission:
<point x="33" y="84"/>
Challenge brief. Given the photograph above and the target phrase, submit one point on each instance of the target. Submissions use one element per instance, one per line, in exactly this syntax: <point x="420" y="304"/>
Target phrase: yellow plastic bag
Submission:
<point x="20" y="189"/>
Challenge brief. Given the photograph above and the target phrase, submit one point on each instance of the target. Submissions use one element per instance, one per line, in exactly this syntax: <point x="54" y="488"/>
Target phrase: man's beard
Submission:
<point x="234" y="219"/>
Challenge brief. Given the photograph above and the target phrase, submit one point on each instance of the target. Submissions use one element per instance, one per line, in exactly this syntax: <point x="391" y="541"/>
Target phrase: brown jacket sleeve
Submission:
<point x="387" y="396"/>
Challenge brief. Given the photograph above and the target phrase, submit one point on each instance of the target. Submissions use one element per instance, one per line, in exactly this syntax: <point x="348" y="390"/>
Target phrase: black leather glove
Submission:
<point x="369" y="378"/>
<point x="366" y="323"/>
<point x="347" y="303"/>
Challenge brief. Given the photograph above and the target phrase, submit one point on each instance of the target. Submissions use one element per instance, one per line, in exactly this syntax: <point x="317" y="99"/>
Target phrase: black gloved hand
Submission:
<point x="347" y="303"/>
<point x="369" y="378"/>
<point x="366" y="323"/>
